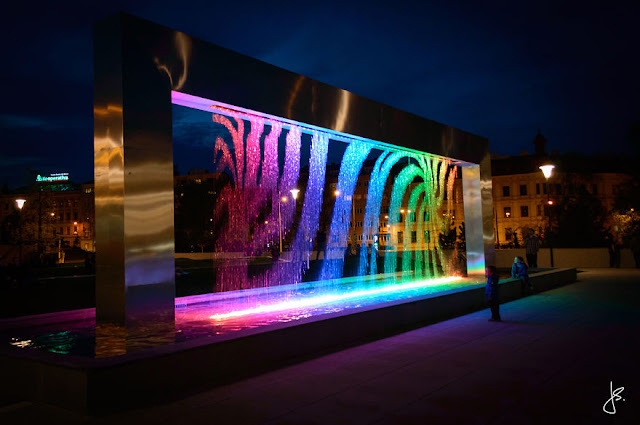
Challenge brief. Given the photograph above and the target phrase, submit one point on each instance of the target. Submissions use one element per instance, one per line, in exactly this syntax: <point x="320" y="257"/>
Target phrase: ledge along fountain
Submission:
<point x="331" y="223"/>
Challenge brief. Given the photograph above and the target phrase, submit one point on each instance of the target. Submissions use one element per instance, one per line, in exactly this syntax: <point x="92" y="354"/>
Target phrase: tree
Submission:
<point x="578" y="221"/>
<point x="626" y="210"/>
<point x="194" y="203"/>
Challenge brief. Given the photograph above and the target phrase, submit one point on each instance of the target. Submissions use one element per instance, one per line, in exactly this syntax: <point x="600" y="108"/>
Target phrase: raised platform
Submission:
<point x="95" y="385"/>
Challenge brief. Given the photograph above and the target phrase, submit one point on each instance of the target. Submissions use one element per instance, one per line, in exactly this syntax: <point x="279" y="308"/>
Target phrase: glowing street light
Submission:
<point x="547" y="170"/>
<point x="20" y="204"/>
<point x="294" y="193"/>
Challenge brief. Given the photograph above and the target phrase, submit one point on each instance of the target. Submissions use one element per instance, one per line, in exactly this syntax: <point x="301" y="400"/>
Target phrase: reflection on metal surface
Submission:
<point x="133" y="163"/>
<point x="487" y="209"/>
<point x="473" y="219"/>
<point x="183" y="46"/>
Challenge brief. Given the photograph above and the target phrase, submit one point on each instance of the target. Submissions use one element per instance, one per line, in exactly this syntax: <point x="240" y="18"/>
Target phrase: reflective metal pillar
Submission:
<point x="478" y="213"/>
<point x="133" y="155"/>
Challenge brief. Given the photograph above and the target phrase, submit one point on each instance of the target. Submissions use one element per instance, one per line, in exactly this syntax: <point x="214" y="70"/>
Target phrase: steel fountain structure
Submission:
<point x="143" y="69"/>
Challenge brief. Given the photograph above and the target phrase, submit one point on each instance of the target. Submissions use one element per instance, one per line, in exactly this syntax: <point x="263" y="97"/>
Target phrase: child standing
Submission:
<point x="519" y="271"/>
<point x="492" y="293"/>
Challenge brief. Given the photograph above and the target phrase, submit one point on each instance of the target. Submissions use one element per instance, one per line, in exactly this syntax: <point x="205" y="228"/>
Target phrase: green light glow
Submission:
<point x="53" y="177"/>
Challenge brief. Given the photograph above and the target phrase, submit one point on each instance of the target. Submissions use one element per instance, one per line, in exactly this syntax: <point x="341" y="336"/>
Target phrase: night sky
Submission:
<point x="497" y="69"/>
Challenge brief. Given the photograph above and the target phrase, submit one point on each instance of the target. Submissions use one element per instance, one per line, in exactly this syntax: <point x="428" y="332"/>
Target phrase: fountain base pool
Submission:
<point x="96" y="373"/>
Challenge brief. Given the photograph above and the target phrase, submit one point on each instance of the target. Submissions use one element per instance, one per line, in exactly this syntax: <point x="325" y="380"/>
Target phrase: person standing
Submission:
<point x="492" y="293"/>
<point x="532" y="245"/>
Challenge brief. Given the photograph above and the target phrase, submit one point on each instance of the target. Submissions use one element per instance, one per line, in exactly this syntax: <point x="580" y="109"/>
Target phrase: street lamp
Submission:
<point x="294" y="194"/>
<point x="547" y="171"/>
<point x="283" y="199"/>
<point x="20" y="204"/>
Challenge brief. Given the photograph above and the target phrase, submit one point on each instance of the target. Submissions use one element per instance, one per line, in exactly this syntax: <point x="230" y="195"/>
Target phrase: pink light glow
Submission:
<point x="331" y="298"/>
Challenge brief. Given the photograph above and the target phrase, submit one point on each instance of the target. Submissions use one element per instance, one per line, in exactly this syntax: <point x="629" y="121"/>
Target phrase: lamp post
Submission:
<point x="20" y="204"/>
<point x="294" y="194"/>
<point x="283" y="199"/>
<point x="547" y="171"/>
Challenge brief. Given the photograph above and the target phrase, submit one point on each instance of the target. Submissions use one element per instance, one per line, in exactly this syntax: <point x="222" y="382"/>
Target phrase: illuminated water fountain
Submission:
<point x="257" y="211"/>
<point x="363" y="234"/>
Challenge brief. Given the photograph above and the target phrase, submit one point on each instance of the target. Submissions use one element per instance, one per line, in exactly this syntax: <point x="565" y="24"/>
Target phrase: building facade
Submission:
<point x="523" y="199"/>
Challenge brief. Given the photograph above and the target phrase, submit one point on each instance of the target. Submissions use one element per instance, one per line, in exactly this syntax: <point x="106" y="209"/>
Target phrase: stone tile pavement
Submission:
<point x="551" y="361"/>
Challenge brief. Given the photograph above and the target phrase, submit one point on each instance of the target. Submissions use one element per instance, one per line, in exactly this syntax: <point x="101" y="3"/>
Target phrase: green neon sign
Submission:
<point x="53" y="177"/>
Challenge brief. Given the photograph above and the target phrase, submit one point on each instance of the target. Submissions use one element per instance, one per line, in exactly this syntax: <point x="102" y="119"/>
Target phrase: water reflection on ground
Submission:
<point x="213" y="315"/>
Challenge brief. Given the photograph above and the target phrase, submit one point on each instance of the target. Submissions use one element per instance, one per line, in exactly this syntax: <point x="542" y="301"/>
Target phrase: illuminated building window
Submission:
<point x="507" y="212"/>
<point x="523" y="190"/>
<point x="524" y="211"/>
<point x="505" y="191"/>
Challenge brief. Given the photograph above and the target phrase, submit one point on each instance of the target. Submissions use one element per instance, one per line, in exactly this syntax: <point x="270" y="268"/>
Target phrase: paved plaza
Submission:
<point x="552" y="360"/>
